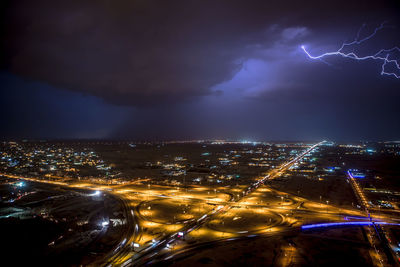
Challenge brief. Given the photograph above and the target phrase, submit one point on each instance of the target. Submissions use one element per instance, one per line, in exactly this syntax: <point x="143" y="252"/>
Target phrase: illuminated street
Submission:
<point x="163" y="222"/>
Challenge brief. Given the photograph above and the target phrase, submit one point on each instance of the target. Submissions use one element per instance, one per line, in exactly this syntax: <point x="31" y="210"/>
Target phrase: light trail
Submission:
<point x="124" y="254"/>
<point x="362" y="223"/>
<point x="383" y="55"/>
<point x="146" y="254"/>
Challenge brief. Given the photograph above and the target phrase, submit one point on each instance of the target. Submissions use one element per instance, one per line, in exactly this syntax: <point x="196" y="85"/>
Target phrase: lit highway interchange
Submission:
<point x="163" y="222"/>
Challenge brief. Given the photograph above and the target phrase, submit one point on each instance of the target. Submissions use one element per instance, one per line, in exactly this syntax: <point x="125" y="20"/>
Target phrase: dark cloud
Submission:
<point x="127" y="51"/>
<point x="196" y="69"/>
<point x="138" y="52"/>
<point x="36" y="110"/>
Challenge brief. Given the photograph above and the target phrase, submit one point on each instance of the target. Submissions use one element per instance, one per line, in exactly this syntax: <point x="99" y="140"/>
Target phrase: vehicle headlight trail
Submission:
<point x="385" y="56"/>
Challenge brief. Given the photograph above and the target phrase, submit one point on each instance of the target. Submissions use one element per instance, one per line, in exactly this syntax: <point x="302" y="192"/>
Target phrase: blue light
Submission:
<point x="356" y="217"/>
<point x="20" y="184"/>
<point x="356" y="175"/>
<point x="330" y="169"/>
<point x="322" y="225"/>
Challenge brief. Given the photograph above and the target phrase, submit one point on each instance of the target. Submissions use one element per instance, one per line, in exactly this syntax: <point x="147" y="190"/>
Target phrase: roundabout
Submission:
<point x="172" y="211"/>
<point x="240" y="221"/>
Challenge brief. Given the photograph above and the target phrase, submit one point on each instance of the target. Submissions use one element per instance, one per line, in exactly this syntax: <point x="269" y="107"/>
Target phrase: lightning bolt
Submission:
<point x="383" y="55"/>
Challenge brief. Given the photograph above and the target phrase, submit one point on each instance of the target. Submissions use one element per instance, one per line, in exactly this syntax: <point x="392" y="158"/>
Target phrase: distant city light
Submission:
<point x="20" y="184"/>
<point x="96" y="193"/>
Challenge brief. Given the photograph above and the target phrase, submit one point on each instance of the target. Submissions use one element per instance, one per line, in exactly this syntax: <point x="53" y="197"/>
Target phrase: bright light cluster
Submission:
<point x="386" y="56"/>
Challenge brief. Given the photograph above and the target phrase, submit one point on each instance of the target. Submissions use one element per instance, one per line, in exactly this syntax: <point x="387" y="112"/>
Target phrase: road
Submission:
<point x="146" y="254"/>
<point x="123" y="253"/>
<point x="215" y="212"/>
<point x="379" y="236"/>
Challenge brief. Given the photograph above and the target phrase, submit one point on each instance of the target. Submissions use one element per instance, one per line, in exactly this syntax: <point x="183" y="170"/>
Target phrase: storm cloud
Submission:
<point x="161" y="60"/>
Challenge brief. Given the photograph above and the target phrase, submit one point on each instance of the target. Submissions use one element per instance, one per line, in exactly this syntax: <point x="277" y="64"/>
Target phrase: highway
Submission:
<point x="146" y="255"/>
<point x="378" y="236"/>
<point x="139" y="246"/>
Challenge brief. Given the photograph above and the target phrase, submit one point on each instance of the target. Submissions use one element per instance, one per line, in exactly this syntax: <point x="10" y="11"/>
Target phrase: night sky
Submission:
<point x="196" y="69"/>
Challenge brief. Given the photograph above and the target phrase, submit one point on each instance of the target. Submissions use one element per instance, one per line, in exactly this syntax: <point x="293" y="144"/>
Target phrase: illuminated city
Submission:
<point x="200" y="133"/>
<point x="181" y="197"/>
